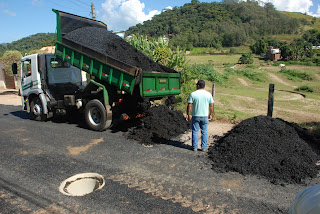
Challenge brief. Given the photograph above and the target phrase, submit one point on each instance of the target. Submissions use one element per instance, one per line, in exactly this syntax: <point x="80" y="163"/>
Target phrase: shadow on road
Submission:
<point x="21" y="114"/>
<point x="178" y="144"/>
<point x="75" y="118"/>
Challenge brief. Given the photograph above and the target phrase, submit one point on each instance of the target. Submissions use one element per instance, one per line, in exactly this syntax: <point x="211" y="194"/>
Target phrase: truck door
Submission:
<point x="26" y="77"/>
<point x="30" y="77"/>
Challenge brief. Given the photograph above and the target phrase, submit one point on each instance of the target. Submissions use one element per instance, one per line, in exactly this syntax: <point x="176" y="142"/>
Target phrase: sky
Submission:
<point x="22" y="18"/>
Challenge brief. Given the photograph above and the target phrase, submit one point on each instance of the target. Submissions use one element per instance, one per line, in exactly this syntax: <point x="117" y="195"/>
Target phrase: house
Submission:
<point x="273" y="54"/>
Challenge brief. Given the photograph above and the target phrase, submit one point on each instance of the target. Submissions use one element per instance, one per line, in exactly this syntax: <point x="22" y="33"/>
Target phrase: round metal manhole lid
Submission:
<point x="82" y="184"/>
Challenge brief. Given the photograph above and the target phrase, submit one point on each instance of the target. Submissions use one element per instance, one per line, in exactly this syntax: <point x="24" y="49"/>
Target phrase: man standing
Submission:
<point x="201" y="103"/>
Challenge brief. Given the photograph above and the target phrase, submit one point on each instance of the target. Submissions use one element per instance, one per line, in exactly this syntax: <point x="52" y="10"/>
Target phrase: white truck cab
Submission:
<point x="44" y="80"/>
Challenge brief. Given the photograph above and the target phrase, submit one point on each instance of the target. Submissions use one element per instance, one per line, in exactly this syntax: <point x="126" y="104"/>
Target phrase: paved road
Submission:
<point x="35" y="157"/>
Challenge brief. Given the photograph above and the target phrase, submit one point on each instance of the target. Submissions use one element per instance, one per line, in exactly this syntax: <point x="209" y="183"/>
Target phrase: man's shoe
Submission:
<point x="204" y="150"/>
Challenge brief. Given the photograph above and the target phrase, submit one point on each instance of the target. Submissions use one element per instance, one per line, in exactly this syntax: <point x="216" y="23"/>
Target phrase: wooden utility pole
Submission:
<point x="93" y="11"/>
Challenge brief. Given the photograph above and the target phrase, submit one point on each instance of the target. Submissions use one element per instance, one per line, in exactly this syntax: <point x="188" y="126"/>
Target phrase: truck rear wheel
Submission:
<point x="96" y="115"/>
<point x="36" y="110"/>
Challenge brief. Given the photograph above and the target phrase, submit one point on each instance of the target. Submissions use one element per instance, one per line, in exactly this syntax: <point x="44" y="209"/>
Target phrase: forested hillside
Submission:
<point x="217" y="24"/>
<point x="29" y="43"/>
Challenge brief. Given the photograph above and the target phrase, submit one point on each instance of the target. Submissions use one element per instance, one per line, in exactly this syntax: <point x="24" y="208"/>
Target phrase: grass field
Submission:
<point x="217" y="59"/>
<point x="243" y="96"/>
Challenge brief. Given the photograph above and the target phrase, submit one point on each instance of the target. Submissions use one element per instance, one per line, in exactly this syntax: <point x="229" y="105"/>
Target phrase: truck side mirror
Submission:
<point x="14" y="68"/>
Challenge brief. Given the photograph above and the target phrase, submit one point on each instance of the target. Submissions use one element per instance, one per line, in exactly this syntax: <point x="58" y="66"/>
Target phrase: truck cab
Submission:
<point x="45" y="79"/>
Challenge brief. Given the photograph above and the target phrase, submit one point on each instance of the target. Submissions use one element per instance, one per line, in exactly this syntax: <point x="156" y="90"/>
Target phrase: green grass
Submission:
<point x="244" y="93"/>
<point x="216" y="60"/>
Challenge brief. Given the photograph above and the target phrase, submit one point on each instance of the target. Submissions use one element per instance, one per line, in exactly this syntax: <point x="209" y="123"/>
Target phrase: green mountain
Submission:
<point x="29" y="43"/>
<point x="218" y="24"/>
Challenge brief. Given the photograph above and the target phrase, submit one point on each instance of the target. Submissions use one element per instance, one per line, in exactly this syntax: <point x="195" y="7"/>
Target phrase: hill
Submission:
<point x="29" y="43"/>
<point x="218" y="24"/>
<point x="308" y="21"/>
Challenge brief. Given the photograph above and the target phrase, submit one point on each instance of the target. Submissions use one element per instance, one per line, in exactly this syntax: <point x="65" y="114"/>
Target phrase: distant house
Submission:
<point x="316" y="47"/>
<point x="273" y="54"/>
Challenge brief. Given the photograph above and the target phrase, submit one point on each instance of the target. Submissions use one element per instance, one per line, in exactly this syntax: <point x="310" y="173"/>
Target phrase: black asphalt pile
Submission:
<point x="268" y="147"/>
<point x="159" y="124"/>
<point x="108" y="43"/>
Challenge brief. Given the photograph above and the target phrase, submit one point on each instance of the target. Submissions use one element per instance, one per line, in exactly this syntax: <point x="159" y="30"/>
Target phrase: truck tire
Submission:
<point x="36" y="110"/>
<point x="95" y="115"/>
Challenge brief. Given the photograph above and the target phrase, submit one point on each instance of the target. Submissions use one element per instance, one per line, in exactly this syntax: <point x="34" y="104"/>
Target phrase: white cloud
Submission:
<point x="122" y="14"/>
<point x="317" y="13"/>
<point x="292" y="5"/>
<point x="10" y="13"/>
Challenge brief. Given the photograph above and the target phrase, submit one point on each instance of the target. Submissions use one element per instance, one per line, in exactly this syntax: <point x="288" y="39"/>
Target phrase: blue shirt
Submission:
<point x="200" y="100"/>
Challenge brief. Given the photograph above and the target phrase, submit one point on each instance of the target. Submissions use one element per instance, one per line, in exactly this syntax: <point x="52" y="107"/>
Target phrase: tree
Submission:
<point x="8" y="58"/>
<point x="246" y="58"/>
<point x="260" y="47"/>
<point x="232" y="23"/>
<point x="286" y="52"/>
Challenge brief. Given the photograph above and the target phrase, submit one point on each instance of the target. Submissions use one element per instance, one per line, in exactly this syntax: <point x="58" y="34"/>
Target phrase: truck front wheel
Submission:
<point x="95" y="115"/>
<point x="36" y="110"/>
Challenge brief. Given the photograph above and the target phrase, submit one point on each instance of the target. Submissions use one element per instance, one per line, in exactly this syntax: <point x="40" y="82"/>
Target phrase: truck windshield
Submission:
<point x="62" y="72"/>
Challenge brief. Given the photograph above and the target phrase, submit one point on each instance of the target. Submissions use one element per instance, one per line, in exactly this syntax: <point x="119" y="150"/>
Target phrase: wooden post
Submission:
<point x="270" y="100"/>
<point x="93" y="11"/>
<point x="213" y="90"/>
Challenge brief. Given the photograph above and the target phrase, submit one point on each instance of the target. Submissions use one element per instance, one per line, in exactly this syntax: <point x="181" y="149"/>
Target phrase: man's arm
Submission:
<point x="189" y="106"/>
<point x="210" y="111"/>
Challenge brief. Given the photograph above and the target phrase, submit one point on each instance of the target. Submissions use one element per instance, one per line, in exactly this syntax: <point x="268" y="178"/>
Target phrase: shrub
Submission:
<point x="305" y="88"/>
<point x="233" y="50"/>
<point x="8" y="58"/>
<point x="296" y="75"/>
<point x="207" y="72"/>
<point x="246" y="58"/>
<point x="254" y="76"/>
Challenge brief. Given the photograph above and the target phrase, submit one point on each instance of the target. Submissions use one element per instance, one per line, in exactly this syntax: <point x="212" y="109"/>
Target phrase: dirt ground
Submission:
<point x="10" y="97"/>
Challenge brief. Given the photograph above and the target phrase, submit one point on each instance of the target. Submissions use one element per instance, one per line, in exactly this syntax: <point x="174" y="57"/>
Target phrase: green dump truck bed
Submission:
<point x="108" y="69"/>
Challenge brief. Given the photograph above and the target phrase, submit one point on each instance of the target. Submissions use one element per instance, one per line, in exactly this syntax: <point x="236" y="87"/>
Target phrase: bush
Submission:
<point x="207" y="72"/>
<point x="8" y="58"/>
<point x="254" y="76"/>
<point x="296" y="75"/>
<point x="304" y="88"/>
<point x="233" y="50"/>
<point x="246" y="58"/>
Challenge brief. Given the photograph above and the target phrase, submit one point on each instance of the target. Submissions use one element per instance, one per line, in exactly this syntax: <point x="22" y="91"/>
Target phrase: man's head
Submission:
<point x="201" y="84"/>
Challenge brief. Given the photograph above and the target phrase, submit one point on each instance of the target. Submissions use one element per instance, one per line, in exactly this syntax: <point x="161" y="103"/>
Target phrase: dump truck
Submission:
<point x="54" y="84"/>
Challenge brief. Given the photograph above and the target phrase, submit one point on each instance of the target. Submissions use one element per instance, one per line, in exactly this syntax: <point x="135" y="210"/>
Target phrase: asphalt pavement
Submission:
<point x="35" y="157"/>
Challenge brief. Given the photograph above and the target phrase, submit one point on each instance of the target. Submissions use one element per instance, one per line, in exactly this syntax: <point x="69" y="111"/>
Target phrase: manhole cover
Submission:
<point x="82" y="184"/>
